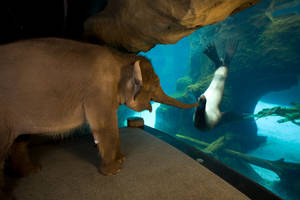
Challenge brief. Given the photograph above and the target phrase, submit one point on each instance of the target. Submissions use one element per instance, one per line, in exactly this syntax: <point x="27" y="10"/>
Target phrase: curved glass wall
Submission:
<point x="261" y="95"/>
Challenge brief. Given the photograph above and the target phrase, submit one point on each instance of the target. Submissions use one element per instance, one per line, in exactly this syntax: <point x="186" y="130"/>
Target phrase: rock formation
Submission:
<point x="135" y="25"/>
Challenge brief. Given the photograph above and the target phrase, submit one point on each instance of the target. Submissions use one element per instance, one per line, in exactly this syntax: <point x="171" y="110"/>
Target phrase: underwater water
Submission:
<point x="170" y="62"/>
<point x="149" y="117"/>
<point x="264" y="74"/>
<point x="283" y="142"/>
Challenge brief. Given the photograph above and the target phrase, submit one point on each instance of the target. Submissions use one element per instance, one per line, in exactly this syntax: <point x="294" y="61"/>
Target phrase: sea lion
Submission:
<point x="208" y="114"/>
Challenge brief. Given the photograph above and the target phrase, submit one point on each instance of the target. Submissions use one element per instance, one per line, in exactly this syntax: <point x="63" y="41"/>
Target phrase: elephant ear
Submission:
<point x="137" y="79"/>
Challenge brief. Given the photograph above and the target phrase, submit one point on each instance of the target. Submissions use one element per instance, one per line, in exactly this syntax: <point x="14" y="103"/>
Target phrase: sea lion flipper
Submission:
<point x="202" y="101"/>
<point x="199" y="115"/>
<point x="230" y="50"/>
<point x="212" y="53"/>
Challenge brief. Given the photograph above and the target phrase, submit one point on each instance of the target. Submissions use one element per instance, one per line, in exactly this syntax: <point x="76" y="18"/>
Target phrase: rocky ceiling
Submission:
<point x="135" y="25"/>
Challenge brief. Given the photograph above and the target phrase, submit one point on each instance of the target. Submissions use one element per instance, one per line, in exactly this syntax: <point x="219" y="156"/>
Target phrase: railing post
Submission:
<point x="135" y="122"/>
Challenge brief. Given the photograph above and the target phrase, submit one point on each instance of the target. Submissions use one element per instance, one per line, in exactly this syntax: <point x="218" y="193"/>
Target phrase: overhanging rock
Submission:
<point x="138" y="25"/>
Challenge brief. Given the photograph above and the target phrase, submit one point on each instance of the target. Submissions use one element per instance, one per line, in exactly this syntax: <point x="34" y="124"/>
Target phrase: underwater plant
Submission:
<point x="287" y="171"/>
<point x="291" y="114"/>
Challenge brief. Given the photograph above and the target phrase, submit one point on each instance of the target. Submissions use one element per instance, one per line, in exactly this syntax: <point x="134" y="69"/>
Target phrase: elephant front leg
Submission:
<point x="119" y="156"/>
<point x="104" y="126"/>
<point x="109" y="147"/>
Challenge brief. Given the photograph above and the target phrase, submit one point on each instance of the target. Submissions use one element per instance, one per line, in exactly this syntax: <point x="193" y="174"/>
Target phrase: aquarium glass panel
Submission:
<point x="260" y="102"/>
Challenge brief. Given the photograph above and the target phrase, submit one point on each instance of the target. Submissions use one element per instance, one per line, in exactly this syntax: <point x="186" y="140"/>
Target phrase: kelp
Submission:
<point x="288" y="172"/>
<point x="291" y="114"/>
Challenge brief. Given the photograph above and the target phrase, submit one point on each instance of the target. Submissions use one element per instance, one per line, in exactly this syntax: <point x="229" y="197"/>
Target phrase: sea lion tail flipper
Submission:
<point x="212" y="53"/>
<point x="230" y="50"/>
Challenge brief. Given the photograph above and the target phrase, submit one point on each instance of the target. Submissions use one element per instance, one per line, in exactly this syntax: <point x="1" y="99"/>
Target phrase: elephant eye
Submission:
<point x="138" y="82"/>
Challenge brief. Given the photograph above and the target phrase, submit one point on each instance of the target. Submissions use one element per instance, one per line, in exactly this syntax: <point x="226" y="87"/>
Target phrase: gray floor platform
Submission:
<point x="153" y="170"/>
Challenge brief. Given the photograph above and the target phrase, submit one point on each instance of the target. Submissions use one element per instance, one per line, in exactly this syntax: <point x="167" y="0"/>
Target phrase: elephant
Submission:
<point x="52" y="85"/>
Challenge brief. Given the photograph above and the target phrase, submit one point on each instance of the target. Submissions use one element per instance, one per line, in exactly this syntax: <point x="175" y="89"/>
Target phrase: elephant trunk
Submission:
<point x="160" y="97"/>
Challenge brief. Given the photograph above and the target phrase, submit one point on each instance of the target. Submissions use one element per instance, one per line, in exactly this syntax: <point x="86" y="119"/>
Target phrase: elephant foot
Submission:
<point x="110" y="168"/>
<point x="26" y="170"/>
<point x="22" y="167"/>
<point x="19" y="161"/>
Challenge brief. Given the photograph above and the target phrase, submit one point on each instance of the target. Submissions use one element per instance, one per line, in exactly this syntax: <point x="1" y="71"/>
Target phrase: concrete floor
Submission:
<point x="153" y="170"/>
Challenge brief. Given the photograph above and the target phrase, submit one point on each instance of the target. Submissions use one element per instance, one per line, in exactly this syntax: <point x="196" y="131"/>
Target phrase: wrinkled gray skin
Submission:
<point x="54" y="85"/>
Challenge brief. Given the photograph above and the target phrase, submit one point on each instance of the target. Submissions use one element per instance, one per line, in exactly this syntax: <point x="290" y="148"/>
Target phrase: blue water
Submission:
<point x="283" y="141"/>
<point x="289" y="10"/>
<point x="149" y="117"/>
<point x="170" y="62"/>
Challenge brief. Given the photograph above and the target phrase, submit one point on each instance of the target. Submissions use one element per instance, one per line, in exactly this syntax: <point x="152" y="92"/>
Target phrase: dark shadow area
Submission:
<point x="49" y="18"/>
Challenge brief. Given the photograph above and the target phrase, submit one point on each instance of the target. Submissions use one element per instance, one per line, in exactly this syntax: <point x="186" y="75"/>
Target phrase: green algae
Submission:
<point x="291" y="114"/>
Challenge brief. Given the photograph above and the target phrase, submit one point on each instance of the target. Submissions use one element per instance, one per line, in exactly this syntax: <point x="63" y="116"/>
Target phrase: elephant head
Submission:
<point x="142" y="86"/>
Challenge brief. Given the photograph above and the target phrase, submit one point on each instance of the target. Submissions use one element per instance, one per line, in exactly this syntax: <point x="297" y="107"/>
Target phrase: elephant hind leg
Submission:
<point x="1" y="175"/>
<point x="19" y="160"/>
<point x="4" y="193"/>
<point x="7" y="138"/>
